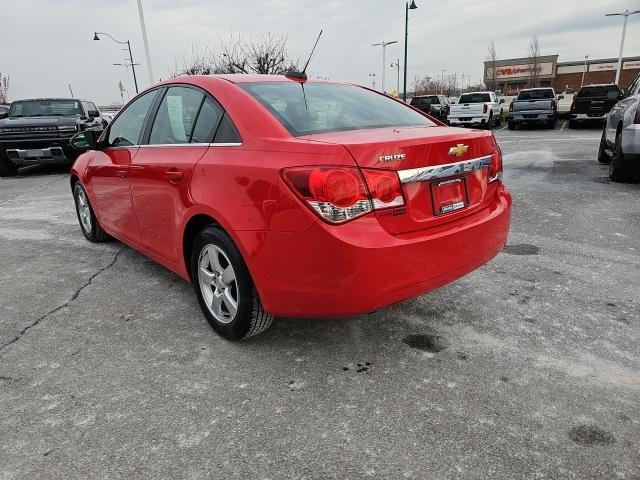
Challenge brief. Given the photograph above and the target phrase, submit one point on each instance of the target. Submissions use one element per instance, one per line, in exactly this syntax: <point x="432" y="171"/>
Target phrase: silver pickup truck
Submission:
<point x="534" y="105"/>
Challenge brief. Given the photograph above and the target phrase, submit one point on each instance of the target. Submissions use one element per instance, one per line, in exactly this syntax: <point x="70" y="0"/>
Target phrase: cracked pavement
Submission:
<point x="527" y="368"/>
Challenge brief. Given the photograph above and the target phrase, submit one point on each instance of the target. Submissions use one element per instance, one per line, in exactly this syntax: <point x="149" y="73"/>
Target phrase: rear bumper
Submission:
<point x="462" y="120"/>
<point x="333" y="271"/>
<point x="584" y="117"/>
<point x="531" y="117"/>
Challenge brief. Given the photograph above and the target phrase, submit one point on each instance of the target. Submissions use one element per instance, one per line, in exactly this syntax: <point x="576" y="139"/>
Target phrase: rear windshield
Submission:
<point x="474" y="98"/>
<point x="45" y="108"/>
<point x="608" y="91"/>
<point x="324" y="107"/>
<point x="536" y="94"/>
<point x="421" y="101"/>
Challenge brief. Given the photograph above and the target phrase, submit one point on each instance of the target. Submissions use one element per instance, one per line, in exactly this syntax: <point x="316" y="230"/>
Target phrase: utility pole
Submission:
<point x="626" y="14"/>
<point x="584" y="70"/>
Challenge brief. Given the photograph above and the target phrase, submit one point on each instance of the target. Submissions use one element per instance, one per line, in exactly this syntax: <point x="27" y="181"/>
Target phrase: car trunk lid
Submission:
<point x="426" y="158"/>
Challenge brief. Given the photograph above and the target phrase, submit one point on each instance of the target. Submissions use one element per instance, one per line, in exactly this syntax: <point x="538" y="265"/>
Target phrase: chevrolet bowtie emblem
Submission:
<point x="458" y="150"/>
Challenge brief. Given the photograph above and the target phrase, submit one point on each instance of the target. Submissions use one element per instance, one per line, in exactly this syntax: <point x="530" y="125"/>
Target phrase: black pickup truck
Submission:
<point x="38" y="131"/>
<point x="592" y="103"/>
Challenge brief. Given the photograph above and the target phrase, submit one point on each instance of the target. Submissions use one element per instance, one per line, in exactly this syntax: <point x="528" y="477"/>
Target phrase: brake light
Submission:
<point x="573" y="105"/>
<point x="339" y="194"/>
<point x="485" y="107"/>
<point x="511" y="107"/>
<point x="495" y="167"/>
<point x="554" y="105"/>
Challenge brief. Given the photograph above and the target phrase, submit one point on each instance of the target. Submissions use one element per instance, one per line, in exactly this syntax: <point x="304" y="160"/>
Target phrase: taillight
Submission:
<point x="485" y="108"/>
<point x="511" y="107"/>
<point x="495" y="167"/>
<point x="554" y="105"/>
<point x="339" y="194"/>
<point x="573" y="105"/>
<point x="446" y="110"/>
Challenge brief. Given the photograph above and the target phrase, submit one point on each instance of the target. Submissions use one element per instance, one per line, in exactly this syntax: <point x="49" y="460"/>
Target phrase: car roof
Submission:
<point x="483" y="91"/>
<point x="536" y="88"/>
<point x="599" y="85"/>
<point x="53" y="98"/>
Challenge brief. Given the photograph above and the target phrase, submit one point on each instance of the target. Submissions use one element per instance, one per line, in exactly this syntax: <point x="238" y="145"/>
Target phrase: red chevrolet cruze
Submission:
<point x="282" y="197"/>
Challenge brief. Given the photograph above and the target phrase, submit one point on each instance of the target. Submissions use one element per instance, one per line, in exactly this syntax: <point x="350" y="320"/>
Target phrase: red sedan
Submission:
<point x="282" y="197"/>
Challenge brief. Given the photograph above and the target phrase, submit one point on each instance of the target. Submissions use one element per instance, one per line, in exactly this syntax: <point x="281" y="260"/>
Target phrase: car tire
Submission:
<point x="551" y="124"/>
<point x="224" y="288"/>
<point x="603" y="157"/>
<point x="89" y="224"/>
<point x="7" y="167"/>
<point x="489" y="124"/>
<point x="511" y="126"/>
<point x="572" y="124"/>
<point x="621" y="169"/>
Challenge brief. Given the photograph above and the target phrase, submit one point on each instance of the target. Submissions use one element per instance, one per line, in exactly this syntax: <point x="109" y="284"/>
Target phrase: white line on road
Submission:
<point x="564" y="125"/>
<point x="500" y="129"/>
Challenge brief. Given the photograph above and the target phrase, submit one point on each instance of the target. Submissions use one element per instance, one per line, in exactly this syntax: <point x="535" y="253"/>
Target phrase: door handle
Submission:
<point x="121" y="173"/>
<point x="173" y="176"/>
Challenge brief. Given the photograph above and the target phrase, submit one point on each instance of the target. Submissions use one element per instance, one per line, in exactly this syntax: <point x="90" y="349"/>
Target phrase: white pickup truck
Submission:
<point x="476" y="108"/>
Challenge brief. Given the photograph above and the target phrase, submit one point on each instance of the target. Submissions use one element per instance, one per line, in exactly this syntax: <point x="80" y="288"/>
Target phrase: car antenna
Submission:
<point x="302" y="76"/>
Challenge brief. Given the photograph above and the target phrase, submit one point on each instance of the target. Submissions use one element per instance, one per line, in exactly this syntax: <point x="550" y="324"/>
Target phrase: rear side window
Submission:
<point x="536" y="95"/>
<point x="227" y="132"/>
<point x="207" y="122"/>
<point x="309" y="108"/>
<point x="125" y="130"/>
<point x="608" y="91"/>
<point x="176" y="116"/>
<point x="474" y="98"/>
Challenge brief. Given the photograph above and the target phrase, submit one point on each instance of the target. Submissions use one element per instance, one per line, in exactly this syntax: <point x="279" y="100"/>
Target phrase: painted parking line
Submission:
<point x="500" y="129"/>
<point x="564" y="125"/>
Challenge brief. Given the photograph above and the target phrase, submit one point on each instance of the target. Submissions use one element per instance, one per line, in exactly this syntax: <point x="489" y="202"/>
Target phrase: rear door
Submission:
<point x="108" y="174"/>
<point x="183" y="126"/>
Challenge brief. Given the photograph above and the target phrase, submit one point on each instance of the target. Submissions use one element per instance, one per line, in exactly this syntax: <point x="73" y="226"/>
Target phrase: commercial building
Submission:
<point x="512" y="75"/>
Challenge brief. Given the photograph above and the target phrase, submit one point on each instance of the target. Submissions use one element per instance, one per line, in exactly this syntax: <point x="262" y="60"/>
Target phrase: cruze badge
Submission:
<point x="458" y="150"/>
<point x="392" y="158"/>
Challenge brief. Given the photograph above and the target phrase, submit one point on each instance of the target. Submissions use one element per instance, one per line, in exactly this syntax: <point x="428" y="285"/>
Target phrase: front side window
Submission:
<point x="310" y="108"/>
<point x="125" y="130"/>
<point x="176" y="116"/>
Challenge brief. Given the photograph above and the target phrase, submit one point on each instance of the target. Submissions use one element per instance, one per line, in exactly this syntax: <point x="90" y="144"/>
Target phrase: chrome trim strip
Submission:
<point x="160" y="145"/>
<point x="422" y="174"/>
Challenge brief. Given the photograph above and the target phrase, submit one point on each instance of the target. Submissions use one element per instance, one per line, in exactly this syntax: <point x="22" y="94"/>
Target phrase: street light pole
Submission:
<point x="408" y="7"/>
<point x="584" y="70"/>
<point x="396" y="65"/>
<point x="626" y="14"/>
<point x="442" y="82"/>
<point x="384" y="58"/>
<point x="145" y="42"/>
<point x="133" y="68"/>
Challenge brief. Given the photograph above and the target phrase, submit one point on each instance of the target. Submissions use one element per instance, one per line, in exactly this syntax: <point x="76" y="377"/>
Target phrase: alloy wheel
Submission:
<point x="84" y="212"/>
<point x="218" y="284"/>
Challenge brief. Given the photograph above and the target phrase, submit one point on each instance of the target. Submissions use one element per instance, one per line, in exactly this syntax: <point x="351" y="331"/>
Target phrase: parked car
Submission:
<point x="620" y="143"/>
<point x="38" y="131"/>
<point x="4" y="111"/>
<point x="278" y="196"/>
<point x="476" y="108"/>
<point x="534" y="106"/>
<point x="434" y="105"/>
<point x="592" y="103"/>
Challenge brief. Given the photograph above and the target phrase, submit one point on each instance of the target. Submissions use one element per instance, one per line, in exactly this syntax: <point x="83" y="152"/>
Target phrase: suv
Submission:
<point x="38" y="131"/>
<point x="434" y="105"/>
<point x="476" y="108"/>
<point x="534" y="105"/>
<point x="592" y="103"/>
<point x="620" y="143"/>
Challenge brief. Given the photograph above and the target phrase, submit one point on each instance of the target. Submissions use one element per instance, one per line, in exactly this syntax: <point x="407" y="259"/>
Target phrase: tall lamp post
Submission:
<point x="584" y="70"/>
<point x="408" y="7"/>
<point x="626" y="14"/>
<point x="384" y="44"/>
<point x="128" y="44"/>
<point x="442" y="82"/>
<point x="396" y="65"/>
<point x="145" y="42"/>
<point x="373" y="81"/>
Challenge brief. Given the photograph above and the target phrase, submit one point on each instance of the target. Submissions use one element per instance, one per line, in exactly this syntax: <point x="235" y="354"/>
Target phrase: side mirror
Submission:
<point x="93" y="113"/>
<point x="502" y="100"/>
<point x="560" y="97"/>
<point x="83" y="141"/>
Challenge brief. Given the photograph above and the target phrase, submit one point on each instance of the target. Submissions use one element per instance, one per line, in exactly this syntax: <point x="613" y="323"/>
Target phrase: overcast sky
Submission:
<point x="46" y="44"/>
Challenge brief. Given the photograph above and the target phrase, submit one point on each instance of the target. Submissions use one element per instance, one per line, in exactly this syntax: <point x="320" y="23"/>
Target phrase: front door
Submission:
<point x="108" y="174"/>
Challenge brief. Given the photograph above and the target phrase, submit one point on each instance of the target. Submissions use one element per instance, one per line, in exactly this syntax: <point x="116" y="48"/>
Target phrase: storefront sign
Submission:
<point x="520" y="71"/>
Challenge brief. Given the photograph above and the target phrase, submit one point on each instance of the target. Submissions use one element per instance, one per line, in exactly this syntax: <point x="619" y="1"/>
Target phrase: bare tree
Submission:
<point x="266" y="55"/>
<point x="534" y="61"/>
<point x="4" y="88"/>
<point x="491" y="59"/>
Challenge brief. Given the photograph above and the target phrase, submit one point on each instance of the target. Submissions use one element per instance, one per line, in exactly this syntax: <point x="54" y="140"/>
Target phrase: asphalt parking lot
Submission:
<point x="527" y="368"/>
